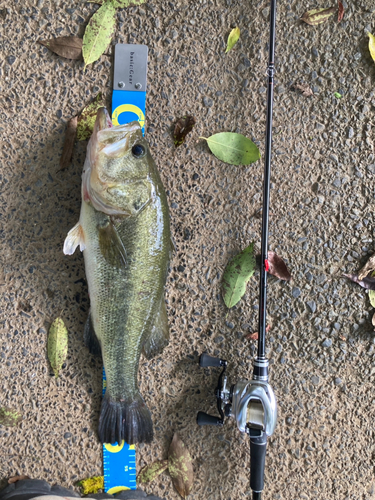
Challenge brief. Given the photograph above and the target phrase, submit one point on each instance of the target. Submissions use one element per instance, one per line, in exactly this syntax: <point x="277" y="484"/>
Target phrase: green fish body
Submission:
<point x="125" y="236"/>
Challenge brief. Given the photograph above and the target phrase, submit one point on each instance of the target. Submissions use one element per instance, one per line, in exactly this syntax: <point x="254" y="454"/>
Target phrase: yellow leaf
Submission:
<point x="317" y="16"/>
<point x="57" y="345"/>
<point x="233" y="37"/>
<point x="92" y="485"/>
<point x="371" y="46"/>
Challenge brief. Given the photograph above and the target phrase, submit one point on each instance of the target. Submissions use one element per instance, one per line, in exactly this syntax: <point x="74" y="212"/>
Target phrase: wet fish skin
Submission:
<point x="124" y="229"/>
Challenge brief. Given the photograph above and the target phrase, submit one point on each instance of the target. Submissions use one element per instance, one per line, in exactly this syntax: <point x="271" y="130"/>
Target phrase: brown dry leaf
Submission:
<point x="182" y="128"/>
<point x="69" y="47"/>
<point x="341" y="12"/>
<point x="317" y="16"/>
<point x="255" y="335"/>
<point x="180" y="466"/>
<point x="368" y="283"/>
<point x="367" y="268"/>
<point x="70" y="138"/>
<point x="14" y="479"/>
<point x="278" y="267"/>
<point x="304" y="88"/>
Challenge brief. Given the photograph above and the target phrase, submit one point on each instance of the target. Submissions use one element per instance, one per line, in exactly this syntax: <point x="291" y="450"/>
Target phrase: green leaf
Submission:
<point x="317" y="16"/>
<point x="233" y="37"/>
<point x="126" y="3"/>
<point x="152" y="471"/>
<point x="180" y="467"/>
<point x="98" y="33"/>
<point x="371" y="45"/>
<point x="232" y="148"/>
<point x="9" y="417"/>
<point x="337" y="95"/>
<point x="237" y="274"/>
<point x="57" y="346"/>
<point x="86" y="119"/>
<point x="91" y="485"/>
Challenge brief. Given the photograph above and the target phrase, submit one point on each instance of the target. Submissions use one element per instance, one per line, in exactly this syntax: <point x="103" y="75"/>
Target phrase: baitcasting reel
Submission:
<point x="253" y="406"/>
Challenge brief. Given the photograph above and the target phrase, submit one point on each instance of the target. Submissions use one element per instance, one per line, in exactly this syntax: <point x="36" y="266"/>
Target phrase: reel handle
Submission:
<point x="258" y="446"/>
<point x="205" y="361"/>
<point x="206" y="419"/>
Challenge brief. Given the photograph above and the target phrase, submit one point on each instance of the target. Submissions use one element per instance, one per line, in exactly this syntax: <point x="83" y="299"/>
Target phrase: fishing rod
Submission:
<point x="252" y="403"/>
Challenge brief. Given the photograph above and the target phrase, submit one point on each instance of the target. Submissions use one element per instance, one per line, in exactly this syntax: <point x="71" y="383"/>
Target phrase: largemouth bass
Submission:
<point x="124" y="234"/>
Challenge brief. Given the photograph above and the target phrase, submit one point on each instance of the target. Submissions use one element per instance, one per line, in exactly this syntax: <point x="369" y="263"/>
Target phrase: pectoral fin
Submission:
<point x="159" y="336"/>
<point x="111" y="245"/>
<point x="75" y="237"/>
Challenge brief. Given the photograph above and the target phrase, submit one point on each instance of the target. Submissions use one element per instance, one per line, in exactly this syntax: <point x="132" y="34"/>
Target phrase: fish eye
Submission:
<point x="138" y="150"/>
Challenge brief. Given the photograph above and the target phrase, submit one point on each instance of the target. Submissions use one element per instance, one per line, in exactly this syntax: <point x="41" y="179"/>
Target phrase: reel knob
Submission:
<point x="206" y="419"/>
<point x="205" y="361"/>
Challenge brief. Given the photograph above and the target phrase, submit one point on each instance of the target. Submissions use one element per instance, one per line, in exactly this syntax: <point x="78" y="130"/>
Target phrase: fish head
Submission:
<point x="116" y="175"/>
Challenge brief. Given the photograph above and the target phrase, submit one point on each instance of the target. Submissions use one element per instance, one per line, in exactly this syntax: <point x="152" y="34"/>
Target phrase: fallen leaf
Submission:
<point x="337" y="95"/>
<point x="368" y="268"/>
<point x="9" y="417"/>
<point x="304" y="88"/>
<point x="317" y="16"/>
<point x="57" y="345"/>
<point x="278" y="267"/>
<point x="368" y="282"/>
<point x="152" y="471"/>
<point x="373" y="321"/>
<point x="371" y="45"/>
<point x="98" y="32"/>
<point x="342" y="338"/>
<point x="232" y="148"/>
<point x="126" y="3"/>
<point x="341" y="11"/>
<point x="69" y="47"/>
<point x="236" y="275"/>
<point x="14" y="479"/>
<point x="233" y="38"/>
<point x="91" y="485"/>
<point x="255" y="335"/>
<point x="182" y="128"/>
<point x="70" y="137"/>
<point x="371" y="293"/>
<point x="86" y="119"/>
<point x="180" y="467"/>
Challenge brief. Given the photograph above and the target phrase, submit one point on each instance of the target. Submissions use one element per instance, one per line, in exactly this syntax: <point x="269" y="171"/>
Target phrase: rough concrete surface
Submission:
<point x="321" y="344"/>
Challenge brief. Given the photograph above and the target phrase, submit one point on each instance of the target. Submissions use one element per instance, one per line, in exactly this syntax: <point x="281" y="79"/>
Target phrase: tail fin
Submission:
<point x="129" y="420"/>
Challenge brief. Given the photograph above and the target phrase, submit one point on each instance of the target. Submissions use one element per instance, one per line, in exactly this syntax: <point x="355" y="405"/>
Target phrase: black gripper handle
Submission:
<point x="258" y="446"/>
<point x="206" y="419"/>
<point x="205" y="360"/>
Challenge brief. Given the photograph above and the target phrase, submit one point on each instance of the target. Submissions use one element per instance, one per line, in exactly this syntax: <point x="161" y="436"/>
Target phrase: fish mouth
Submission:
<point x="102" y="141"/>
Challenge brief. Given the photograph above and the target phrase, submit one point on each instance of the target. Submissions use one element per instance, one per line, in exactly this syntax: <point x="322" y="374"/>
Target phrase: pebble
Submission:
<point x="338" y="381"/>
<point x="327" y="343"/>
<point x="312" y="305"/>
<point x="207" y="101"/>
<point x="315" y="380"/>
<point x="11" y="60"/>
<point x="350" y="133"/>
<point x="67" y="435"/>
<point x="296" y="292"/>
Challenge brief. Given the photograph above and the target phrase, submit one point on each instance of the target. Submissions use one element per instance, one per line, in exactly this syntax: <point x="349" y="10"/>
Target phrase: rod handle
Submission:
<point x="205" y="360"/>
<point x="258" y="447"/>
<point x="206" y="419"/>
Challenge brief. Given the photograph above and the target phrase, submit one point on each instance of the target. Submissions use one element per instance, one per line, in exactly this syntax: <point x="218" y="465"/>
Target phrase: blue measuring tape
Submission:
<point x="128" y="104"/>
